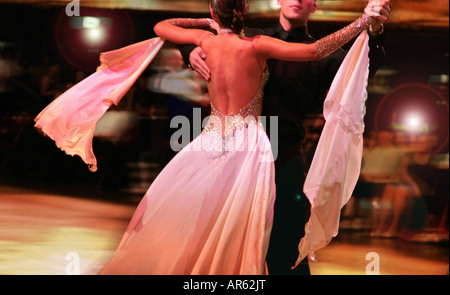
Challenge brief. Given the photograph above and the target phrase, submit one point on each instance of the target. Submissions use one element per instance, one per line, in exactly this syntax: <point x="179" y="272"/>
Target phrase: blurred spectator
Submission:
<point x="177" y="90"/>
<point x="363" y="188"/>
<point x="399" y="190"/>
<point x="177" y="80"/>
<point x="425" y="175"/>
<point x="382" y="162"/>
<point x="142" y="99"/>
<point x="9" y="68"/>
<point x="51" y="84"/>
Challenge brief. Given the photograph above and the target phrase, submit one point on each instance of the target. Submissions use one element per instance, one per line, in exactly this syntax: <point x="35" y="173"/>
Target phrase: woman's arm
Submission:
<point x="277" y="49"/>
<point x="184" y="30"/>
<point x="272" y="48"/>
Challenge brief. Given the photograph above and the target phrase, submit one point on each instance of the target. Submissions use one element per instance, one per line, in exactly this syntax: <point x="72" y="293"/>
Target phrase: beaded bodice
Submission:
<point x="231" y="124"/>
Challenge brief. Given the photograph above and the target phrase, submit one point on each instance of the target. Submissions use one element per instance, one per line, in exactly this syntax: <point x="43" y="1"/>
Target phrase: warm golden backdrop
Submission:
<point x="405" y="13"/>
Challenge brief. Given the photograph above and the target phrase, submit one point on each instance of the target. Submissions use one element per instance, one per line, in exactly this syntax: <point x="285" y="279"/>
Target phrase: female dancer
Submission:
<point x="210" y="210"/>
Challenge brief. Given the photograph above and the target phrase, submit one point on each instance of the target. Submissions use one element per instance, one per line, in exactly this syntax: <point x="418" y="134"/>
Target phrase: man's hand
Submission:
<point x="380" y="11"/>
<point x="198" y="64"/>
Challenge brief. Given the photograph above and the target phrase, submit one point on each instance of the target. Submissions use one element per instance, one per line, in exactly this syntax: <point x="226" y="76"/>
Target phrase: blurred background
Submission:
<point x="44" y="51"/>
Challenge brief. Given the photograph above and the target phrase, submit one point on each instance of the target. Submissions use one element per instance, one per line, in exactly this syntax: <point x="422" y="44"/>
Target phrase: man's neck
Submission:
<point x="289" y="25"/>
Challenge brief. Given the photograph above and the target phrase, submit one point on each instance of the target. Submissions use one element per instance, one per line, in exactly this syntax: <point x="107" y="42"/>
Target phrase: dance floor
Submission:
<point x="44" y="233"/>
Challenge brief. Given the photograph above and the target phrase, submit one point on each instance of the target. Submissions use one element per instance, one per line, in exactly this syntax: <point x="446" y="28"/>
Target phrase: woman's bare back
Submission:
<point x="236" y="71"/>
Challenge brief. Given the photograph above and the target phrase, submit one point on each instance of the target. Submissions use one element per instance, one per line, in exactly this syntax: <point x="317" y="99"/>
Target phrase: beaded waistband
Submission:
<point x="226" y="125"/>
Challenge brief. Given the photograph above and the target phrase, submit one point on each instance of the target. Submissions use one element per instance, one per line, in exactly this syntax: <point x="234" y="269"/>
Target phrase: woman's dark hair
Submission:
<point x="230" y="13"/>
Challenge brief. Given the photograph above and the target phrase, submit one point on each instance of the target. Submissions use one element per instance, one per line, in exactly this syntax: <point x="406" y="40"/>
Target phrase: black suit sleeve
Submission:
<point x="185" y="52"/>
<point x="331" y="64"/>
<point x="376" y="54"/>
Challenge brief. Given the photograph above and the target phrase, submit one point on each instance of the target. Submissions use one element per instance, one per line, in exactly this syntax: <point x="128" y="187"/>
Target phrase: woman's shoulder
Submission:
<point x="264" y="44"/>
<point x="225" y="42"/>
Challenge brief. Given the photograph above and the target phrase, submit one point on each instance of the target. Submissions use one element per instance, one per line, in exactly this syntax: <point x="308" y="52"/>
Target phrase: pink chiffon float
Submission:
<point x="71" y="118"/>
<point x="336" y="164"/>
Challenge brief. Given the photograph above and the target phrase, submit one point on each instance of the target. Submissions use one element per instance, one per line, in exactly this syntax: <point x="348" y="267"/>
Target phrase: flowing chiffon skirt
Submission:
<point x="209" y="211"/>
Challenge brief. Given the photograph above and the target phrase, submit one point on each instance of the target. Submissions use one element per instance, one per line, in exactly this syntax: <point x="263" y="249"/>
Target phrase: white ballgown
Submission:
<point x="210" y="209"/>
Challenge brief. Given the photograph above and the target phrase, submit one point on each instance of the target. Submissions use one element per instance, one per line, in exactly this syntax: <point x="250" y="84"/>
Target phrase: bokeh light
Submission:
<point x="274" y="4"/>
<point x="95" y="36"/>
<point x="415" y="108"/>
<point x="414" y="122"/>
<point x="81" y="39"/>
